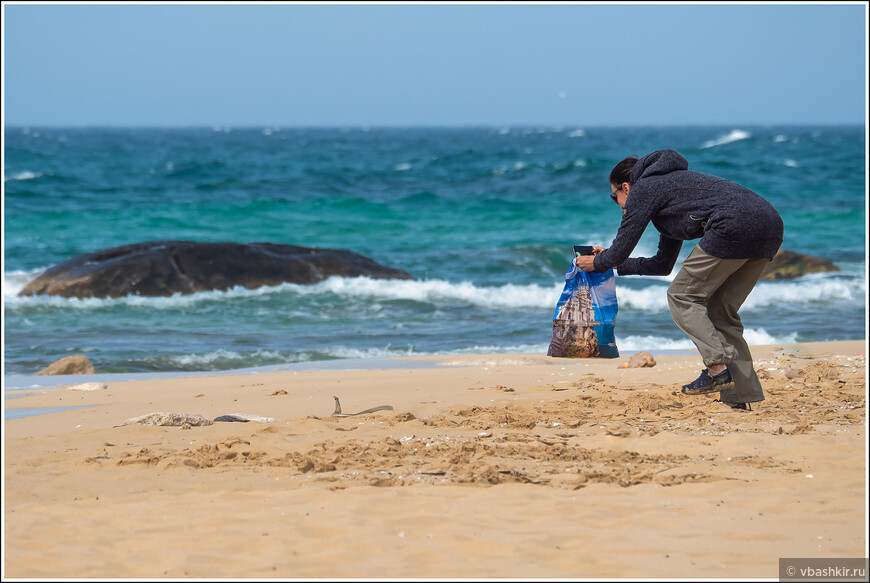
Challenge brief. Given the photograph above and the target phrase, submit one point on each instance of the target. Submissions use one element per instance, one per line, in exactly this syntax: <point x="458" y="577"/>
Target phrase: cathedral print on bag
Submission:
<point x="583" y="322"/>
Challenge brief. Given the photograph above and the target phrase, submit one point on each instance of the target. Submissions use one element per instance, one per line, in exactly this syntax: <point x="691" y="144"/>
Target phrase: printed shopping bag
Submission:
<point x="583" y="322"/>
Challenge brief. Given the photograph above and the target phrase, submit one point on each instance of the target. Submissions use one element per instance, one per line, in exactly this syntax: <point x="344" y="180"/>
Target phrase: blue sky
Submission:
<point x="433" y="64"/>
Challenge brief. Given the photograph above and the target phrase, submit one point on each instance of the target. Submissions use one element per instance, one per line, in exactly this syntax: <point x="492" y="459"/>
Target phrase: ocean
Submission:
<point x="484" y="218"/>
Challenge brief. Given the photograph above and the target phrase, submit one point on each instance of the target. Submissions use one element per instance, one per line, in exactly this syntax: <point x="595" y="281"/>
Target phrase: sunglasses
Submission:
<point x="613" y="195"/>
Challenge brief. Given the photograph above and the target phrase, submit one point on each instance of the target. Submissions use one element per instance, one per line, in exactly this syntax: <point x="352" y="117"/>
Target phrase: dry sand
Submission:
<point x="488" y="466"/>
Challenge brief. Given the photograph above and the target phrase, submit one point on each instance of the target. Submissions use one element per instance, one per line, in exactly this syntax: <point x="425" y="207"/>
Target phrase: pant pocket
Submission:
<point x="700" y="264"/>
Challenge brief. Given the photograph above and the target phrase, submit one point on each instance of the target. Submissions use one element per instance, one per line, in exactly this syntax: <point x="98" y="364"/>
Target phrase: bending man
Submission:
<point x="739" y="234"/>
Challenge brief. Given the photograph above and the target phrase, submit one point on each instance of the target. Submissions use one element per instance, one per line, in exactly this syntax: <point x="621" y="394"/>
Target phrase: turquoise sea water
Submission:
<point x="484" y="218"/>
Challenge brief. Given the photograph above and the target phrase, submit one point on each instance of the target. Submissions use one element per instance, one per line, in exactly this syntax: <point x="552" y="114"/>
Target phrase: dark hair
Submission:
<point x="622" y="171"/>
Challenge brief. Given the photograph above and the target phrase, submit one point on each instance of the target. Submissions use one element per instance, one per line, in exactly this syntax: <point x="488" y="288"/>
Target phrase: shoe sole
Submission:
<point x="714" y="388"/>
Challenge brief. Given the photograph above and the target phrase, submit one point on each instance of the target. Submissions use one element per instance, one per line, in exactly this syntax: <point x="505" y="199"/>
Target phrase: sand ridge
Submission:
<point x="532" y="442"/>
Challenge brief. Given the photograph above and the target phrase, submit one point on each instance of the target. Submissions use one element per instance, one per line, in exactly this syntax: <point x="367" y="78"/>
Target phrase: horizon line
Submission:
<point x="524" y="125"/>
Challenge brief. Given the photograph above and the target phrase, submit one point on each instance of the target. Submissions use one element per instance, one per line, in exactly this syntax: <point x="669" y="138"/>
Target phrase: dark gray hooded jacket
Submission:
<point x="732" y="221"/>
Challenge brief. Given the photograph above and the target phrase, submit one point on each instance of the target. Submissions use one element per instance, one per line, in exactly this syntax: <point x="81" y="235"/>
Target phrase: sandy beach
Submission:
<point x="487" y="466"/>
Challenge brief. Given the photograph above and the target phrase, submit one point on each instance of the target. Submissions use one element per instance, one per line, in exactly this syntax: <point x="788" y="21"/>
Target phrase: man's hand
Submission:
<point x="586" y="262"/>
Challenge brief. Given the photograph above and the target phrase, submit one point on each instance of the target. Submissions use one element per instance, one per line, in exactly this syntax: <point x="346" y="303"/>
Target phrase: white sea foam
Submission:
<point x="221" y="355"/>
<point x="753" y="336"/>
<point x="577" y="134"/>
<point x="390" y="352"/>
<point x="348" y="352"/>
<point x="629" y="344"/>
<point x="14" y="281"/>
<point x="791" y="163"/>
<point x="626" y="344"/>
<point x="24" y="175"/>
<point x="341" y="352"/>
<point x="732" y="136"/>
<point x="430" y="291"/>
<point x="516" y="167"/>
<point x="780" y="138"/>
<point x="760" y="336"/>
<point x="223" y="358"/>
<point x="402" y="167"/>
<point x="515" y="349"/>
<point x="649" y="299"/>
<point x="810" y="289"/>
<point x="436" y="291"/>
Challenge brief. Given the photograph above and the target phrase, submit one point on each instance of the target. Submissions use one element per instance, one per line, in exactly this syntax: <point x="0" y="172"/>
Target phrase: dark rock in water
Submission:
<point x="789" y="265"/>
<point x="164" y="268"/>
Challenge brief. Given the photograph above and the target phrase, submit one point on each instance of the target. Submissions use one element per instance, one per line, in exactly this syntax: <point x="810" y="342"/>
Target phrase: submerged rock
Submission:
<point x="789" y="265"/>
<point x="164" y="268"/>
<point x="75" y="364"/>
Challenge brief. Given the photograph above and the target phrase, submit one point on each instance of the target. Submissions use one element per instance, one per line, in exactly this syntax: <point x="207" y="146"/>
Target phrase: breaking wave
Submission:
<point x="732" y="136"/>
<point x="25" y="175"/>
<point x="810" y="289"/>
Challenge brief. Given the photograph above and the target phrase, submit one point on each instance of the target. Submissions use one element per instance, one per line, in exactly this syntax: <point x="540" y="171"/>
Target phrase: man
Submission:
<point x="739" y="232"/>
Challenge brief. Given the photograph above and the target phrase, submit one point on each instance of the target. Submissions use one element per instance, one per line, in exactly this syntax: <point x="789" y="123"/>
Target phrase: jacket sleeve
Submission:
<point x="637" y="216"/>
<point x="662" y="263"/>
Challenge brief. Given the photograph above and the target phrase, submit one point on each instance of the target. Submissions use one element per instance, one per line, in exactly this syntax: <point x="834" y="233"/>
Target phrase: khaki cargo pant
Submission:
<point x="704" y="299"/>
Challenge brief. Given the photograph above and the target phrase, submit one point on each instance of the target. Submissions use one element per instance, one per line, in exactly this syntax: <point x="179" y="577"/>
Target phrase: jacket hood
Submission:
<point x="658" y="163"/>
